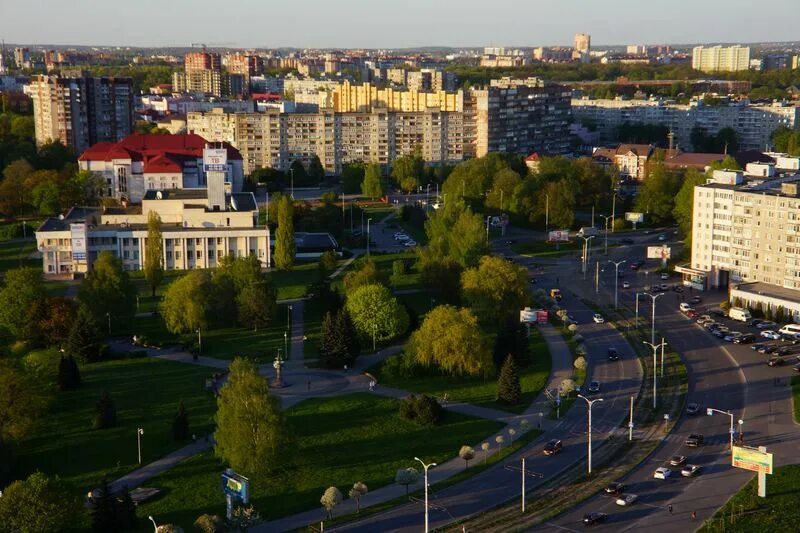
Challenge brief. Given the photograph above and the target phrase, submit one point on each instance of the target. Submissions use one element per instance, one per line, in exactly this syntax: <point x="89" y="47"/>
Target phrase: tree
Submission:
<point x="406" y="477"/>
<point x="579" y="363"/>
<point x="683" y="211"/>
<point x="22" y="401"/>
<point x="657" y="194"/>
<point x="103" y="514"/>
<point x="23" y="286"/>
<point x="504" y="184"/>
<point x="244" y="518"/>
<point x="106" y="412"/>
<point x="154" y="253"/>
<point x="328" y="261"/>
<point x="83" y="340"/>
<point x="15" y="197"/>
<point x="357" y="492"/>
<point x="442" y="278"/>
<point x="728" y="163"/>
<point x="256" y="304"/>
<point x="48" y="321"/>
<point x="330" y="499"/>
<point x="209" y="523"/>
<point x="125" y="512"/>
<point x="500" y="440"/>
<point x="485" y="447"/>
<point x="180" y="424"/>
<point x="407" y="171"/>
<point x="186" y="303"/>
<point x="509" y="391"/>
<point x="69" y="376"/>
<point x="470" y="179"/>
<point x="455" y="232"/>
<point x="367" y="274"/>
<point x="495" y="289"/>
<point x="108" y="290"/>
<point x="372" y="185"/>
<point x="251" y="434"/>
<point x="353" y="178"/>
<point x="375" y="312"/>
<point x="450" y="341"/>
<point x="340" y="345"/>
<point x="567" y="387"/>
<point x="284" y="237"/>
<point x="467" y="453"/>
<point x="39" y="503"/>
<point x="315" y="169"/>
<point x="422" y="409"/>
<point x="82" y="188"/>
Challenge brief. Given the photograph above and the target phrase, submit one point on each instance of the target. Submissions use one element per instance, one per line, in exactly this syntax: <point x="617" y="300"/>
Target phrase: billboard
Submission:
<point x="78" y="237"/>
<point x="559" y="235"/>
<point x="215" y="159"/>
<point x="236" y="486"/>
<point x="527" y="316"/>
<point x="752" y="459"/>
<point x="636" y="218"/>
<point x="659" y="252"/>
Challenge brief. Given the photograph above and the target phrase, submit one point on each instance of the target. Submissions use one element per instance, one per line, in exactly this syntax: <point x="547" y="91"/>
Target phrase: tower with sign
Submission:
<point x="215" y="163"/>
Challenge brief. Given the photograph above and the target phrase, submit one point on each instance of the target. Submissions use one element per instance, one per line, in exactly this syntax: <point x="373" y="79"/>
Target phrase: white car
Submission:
<point x="409" y="243"/>
<point x="684" y="307"/>
<point x="769" y="334"/>
<point x="598" y="318"/>
<point x="626" y="285"/>
<point x="664" y="275"/>
<point x="627" y="499"/>
<point x="662" y="473"/>
<point x="690" y="470"/>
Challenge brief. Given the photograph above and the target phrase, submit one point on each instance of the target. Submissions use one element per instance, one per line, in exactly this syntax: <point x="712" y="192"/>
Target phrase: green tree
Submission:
<point x="450" y="341"/>
<point x="328" y="261"/>
<point x="256" y="304"/>
<point x="508" y="387"/>
<point x="372" y="184"/>
<point x="353" y="177"/>
<point x="358" y="491"/>
<point x="470" y="179"/>
<point x="180" y="424"/>
<point x="457" y="233"/>
<point x="284" y="237"/>
<point x="15" y="197"/>
<point x="23" y="287"/>
<point x="108" y="290"/>
<point x="787" y="140"/>
<point x="209" y="523"/>
<point x="683" y="211"/>
<point x="375" y="312"/>
<point x="330" y="499"/>
<point x="495" y="289"/>
<point x="112" y="512"/>
<point x="40" y="503"/>
<point x="106" y="412"/>
<point x="154" y="253"/>
<point x="441" y="277"/>
<point x="82" y="188"/>
<point x="657" y="194"/>
<point x="186" y="303"/>
<point x="83" y="342"/>
<point x="407" y="171"/>
<point x="406" y="477"/>
<point x="467" y="453"/>
<point x="48" y="321"/>
<point x="22" y="401"/>
<point x="315" y="171"/>
<point x="504" y="184"/>
<point x="728" y="163"/>
<point x="69" y="376"/>
<point x="251" y="434"/>
<point x="367" y="274"/>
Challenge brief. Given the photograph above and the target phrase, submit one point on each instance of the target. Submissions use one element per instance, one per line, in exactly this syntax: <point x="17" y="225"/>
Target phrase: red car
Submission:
<point x="692" y="314"/>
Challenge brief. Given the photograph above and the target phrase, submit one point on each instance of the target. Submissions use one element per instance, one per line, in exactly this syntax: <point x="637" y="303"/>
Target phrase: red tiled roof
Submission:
<point x="533" y="157"/>
<point x="164" y="164"/>
<point x="696" y="160"/>
<point x="138" y="147"/>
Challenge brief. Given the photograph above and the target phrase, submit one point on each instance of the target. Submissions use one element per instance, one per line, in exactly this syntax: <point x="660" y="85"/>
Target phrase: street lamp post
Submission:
<point x="153" y="520"/>
<point x="606" y="218"/>
<point x="425" y="468"/>
<point x="654" y="297"/>
<point x="655" y="348"/>
<point x="586" y="253"/>
<point x="589" y="404"/>
<point x="285" y="342"/>
<point x="546" y="213"/>
<point x="108" y="315"/>
<point x="368" y="221"/>
<point x="199" y="342"/>
<point x="487" y="229"/>
<point x="139" y="433"/>
<point x="616" y="280"/>
<point x="710" y="412"/>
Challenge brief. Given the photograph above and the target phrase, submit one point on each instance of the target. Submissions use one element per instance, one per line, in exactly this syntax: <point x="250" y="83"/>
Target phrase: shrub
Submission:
<point x="422" y="409"/>
<point x="581" y="349"/>
<point x="577" y="337"/>
<point x="567" y="387"/>
<point x="399" y="267"/>
<point x="572" y="328"/>
<point x="580" y="363"/>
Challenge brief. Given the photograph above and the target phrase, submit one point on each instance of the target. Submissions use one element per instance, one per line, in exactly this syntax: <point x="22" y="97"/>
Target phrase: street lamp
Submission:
<point x="616" y="280"/>
<point x="425" y="468"/>
<point x="710" y="412"/>
<point x="655" y="348"/>
<point x="108" y="315"/>
<point x="139" y="433"/>
<point x="487" y="229"/>
<point x="654" y="297"/>
<point x="586" y="253"/>
<point x="606" y="218"/>
<point x="286" y="342"/>
<point x="589" y="404"/>
<point x="368" y="220"/>
<point x="155" y="526"/>
<point x="199" y="342"/>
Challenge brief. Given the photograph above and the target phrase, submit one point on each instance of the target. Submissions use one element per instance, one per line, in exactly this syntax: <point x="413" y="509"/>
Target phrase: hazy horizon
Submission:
<point x="410" y="24"/>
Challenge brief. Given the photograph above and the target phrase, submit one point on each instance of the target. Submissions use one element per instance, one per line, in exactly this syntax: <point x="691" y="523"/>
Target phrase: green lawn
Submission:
<point x="339" y="441"/>
<point x="477" y="390"/>
<point x="146" y="393"/>
<point x="796" y="397"/>
<point x="746" y="512"/>
<point x="15" y="255"/>
<point x="295" y="283"/>
<point x="542" y="248"/>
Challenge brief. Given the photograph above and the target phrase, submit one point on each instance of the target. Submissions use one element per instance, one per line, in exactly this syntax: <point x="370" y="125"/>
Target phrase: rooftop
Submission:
<point x="139" y="147"/>
<point x="766" y="289"/>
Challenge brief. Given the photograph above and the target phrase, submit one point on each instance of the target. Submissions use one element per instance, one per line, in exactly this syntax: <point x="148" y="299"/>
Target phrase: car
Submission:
<point x="615" y="488"/>
<point x="662" y="472"/>
<point x="755" y="322"/>
<point x="720" y="333"/>
<point x="706" y="317"/>
<point x="662" y="238"/>
<point x="692" y="313"/>
<point x="634" y="266"/>
<point x="594" y="386"/>
<point x="677" y="460"/>
<point x="769" y="334"/>
<point x="664" y="287"/>
<point x="787" y="350"/>
<point x="796" y="367"/>
<point x="655" y="288"/>
<point x="703" y="321"/>
<point x="510" y="241"/>
<point x="627" y="499"/>
<point x="684" y="307"/>
<point x="665" y="275"/>
<point x="718" y="312"/>
<point x="693" y="409"/>
<point x="768" y="349"/>
<point x="626" y="285"/>
<point x="767" y="324"/>
<point x="690" y="470"/>
<point x="598" y="318"/>
<point x="776" y="361"/>
<point x="593" y="518"/>
<point x="747" y="338"/>
<point x="696" y="300"/>
<point x="613" y="354"/>
<point x="694" y="440"/>
<point x="553" y="447"/>
<point x="409" y="243"/>
<point x="732" y="335"/>
<point x="677" y="288"/>
<point x="790" y="337"/>
<point x="756" y="347"/>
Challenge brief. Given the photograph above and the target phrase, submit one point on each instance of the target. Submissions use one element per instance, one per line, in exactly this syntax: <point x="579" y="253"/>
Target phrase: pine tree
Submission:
<point x="154" y="252"/>
<point x="284" y="235"/>
<point x="347" y="329"/>
<point x="69" y="376"/>
<point x="180" y="424"/>
<point x="82" y="341"/>
<point x="508" y="387"/>
<point x="327" y="348"/>
<point x="125" y="512"/>
<point x="106" y="416"/>
<point x="103" y="513"/>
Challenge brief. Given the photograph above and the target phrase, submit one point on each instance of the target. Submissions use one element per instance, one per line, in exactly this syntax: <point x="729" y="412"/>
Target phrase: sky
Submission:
<point x="393" y="23"/>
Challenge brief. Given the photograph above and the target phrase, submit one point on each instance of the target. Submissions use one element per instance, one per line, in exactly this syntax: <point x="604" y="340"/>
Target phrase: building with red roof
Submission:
<point x="140" y="163"/>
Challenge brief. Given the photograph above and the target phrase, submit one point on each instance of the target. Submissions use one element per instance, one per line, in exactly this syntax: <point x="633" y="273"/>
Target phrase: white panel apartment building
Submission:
<point x="721" y="59"/>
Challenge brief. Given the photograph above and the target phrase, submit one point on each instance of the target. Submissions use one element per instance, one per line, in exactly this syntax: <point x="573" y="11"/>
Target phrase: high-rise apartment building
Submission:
<point x="582" y="45"/>
<point x="81" y="111"/>
<point x="194" y="61"/>
<point x="721" y="59"/>
<point x="22" y="57"/>
<point x="347" y="97"/>
<point x="246" y="66"/>
<point x="202" y="74"/>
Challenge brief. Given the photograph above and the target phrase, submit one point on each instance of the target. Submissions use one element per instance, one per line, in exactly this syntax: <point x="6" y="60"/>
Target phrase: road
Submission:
<point x="721" y="375"/>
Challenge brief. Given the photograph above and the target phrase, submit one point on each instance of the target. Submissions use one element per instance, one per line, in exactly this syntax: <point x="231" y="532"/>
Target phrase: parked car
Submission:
<point x="677" y="288"/>
<point x="696" y="300"/>
<point x="768" y="349"/>
<point x="720" y="333"/>
<point x="664" y="287"/>
<point x="694" y="440"/>
<point x="747" y="338"/>
<point x="776" y="361"/>
<point x="787" y="350"/>
<point x="732" y="335"/>
<point x="693" y="409"/>
<point x="615" y="488"/>
<point x="692" y="313"/>
<point x="796" y="367"/>
<point x="627" y="499"/>
<point x="662" y="238"/>
<point x="613" y="354"/>
<point x="593" y="518"/>
<point x="684" y="307"/>
<point x="553" y="447"/>
<point x="594" y="386"/>
<point x="677" y="460"/>
<point x="665" y="275"/>
<point x="662" y="472"/>
<point x="767" y="324"/>
<point x="755" y="322"/>
<point x="598" y="318"/>
<point x="690" y="470"/>
<point x="626" y="285"/>
<point x="769" y="334"/>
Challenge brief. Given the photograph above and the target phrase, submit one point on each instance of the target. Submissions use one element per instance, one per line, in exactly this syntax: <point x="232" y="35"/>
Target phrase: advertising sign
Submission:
<point x="752" y="459"/>
<point x="215" y="159"/>
<point x="78" y="237"/>
<point x="541" y="316"/>
<point x="636" y="218"/>
<point x="236" y="486"/>
<point x="559" y="235"/>
<point x="659" y="252"/>
<point x="527" y="316"/>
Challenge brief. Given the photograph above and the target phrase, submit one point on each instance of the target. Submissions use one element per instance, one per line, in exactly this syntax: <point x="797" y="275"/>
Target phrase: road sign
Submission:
<point x="752" y="459"/>
<point x="659" y="252"/>
<point x="636" y="218"/>
<point x="236" y="486"/>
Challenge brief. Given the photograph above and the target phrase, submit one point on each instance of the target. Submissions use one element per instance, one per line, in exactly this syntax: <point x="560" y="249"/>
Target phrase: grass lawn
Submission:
<point x="542" y="248"/>
<point x="15" y="255"/>
<point x="295" y="283"/>
<point x="796" y="397"/>
<point x="339" y="441"/>
<point x="476" y="390"/>
<point x="746" y="512"/>
<point x="146" y="393"/>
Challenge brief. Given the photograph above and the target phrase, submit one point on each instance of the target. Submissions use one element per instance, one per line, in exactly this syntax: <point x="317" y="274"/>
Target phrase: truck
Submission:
<point x="588" y="231"/>
<point x="555" y="294"/>
<point x="740" y="314"/>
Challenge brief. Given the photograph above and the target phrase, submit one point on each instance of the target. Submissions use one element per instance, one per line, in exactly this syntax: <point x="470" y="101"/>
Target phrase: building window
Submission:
<point x="198" y="254"/>
<point x="177" y="255"/>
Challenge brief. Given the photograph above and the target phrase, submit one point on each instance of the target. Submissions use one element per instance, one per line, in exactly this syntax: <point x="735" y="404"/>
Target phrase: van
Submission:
<point x="790" y="329"/>
<point x="740" y="314"/>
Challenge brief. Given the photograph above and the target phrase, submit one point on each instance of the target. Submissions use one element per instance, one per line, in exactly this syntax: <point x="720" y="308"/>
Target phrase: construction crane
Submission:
<point x="206" y="45"/>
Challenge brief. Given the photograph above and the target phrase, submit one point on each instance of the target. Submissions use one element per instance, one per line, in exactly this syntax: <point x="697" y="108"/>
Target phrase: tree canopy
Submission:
<point x="186" y="302"/>
<point x="372" y="182"/>
<point x="107" y="289"/>
<point x="408" y="170"/>
<point x="374" y="310"/>
<point x="284" y="236"/>
<point x="154" y="252"/>
<point x="657" y="195"/>
<point x="495" y="289"/>
<point x="23" y="287"/>
<point x="455" y="232"/>
<point x="40" y="503"/>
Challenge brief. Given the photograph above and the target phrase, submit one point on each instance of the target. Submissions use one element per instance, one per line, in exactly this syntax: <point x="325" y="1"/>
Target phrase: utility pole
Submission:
<point x="606" y="218"/>
<point x="589" y="404"/>
<point x="655" y="348"/>
<point x="425" y="468"/>
<point x="616" y="281"/>
<point x="630" y="423"/>
<point x="597" y="277"/>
